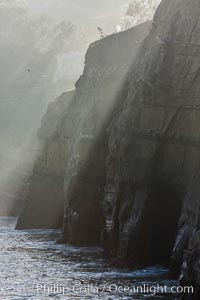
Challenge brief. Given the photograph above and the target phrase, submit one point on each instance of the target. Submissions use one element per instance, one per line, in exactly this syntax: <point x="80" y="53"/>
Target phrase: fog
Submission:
<point x="78" y="10"/>
<point x="43" y="44"/>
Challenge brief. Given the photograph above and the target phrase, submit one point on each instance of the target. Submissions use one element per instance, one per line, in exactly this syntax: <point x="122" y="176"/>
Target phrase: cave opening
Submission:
<point x="159" y="226"/>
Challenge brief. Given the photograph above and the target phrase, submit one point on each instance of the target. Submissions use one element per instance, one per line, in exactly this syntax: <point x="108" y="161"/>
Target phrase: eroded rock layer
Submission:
<point x="44" y="199"/>
<point x="154" y="155"/>
<point x="143" y="161"/>
<point x="68" y="130"/>
<point x="131" y="180"/>
<point x="152" y="193"/>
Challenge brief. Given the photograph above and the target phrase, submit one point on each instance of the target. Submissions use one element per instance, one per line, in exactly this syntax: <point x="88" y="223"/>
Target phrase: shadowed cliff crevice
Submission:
<point x="158" y="227"/>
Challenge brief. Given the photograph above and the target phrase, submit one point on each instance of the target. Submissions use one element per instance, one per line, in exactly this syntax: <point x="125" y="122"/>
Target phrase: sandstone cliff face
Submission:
<point x="132" y="175"/>
<point x="44" y="199"/>
<point x="107" y="65"/>
<point x="68" y="129"/>
<point x="152" y="177"/>
<point x="143" y="171"/>
<point x="154" y="142"/>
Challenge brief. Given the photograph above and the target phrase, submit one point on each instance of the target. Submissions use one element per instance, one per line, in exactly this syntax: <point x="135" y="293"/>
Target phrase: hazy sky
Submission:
<point x="77" y="9"/>
<point x="92" y="13"/>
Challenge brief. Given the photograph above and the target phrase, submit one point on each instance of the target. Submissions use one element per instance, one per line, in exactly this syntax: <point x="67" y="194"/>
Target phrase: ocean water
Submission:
<point x="34" y="267"/>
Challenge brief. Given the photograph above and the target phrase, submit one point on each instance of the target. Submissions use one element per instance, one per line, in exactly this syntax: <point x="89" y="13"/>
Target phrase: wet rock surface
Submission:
<point x="190" y="272"/>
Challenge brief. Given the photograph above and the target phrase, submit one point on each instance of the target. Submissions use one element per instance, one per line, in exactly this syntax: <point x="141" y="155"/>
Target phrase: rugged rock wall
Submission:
<point x="71" y="123"/>
<point x="144" y="175"/>
<point x="99" y="99"/>
<point x="44" y="199"/>
<point x="190" y="272"/>
<point x="132" y="175"/>
<point x="154" y="142"/>
<point x="151" y="158"/>
<point x="152" y="177"/>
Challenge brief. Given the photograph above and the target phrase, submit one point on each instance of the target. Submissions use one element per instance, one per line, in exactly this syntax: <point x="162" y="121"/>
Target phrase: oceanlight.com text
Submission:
<point x="111" y="288"/>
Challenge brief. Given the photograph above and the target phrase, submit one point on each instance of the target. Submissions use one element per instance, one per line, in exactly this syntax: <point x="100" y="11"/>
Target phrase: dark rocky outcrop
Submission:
<point x="190" y="273"/>
<point x="154" y="143"/>
<point x="132" y="176"/>
<point x="44" y="199"/>
<point x="68" y="131"/>
<point x="98" y="96"/>
<point x="145" y="176"/>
